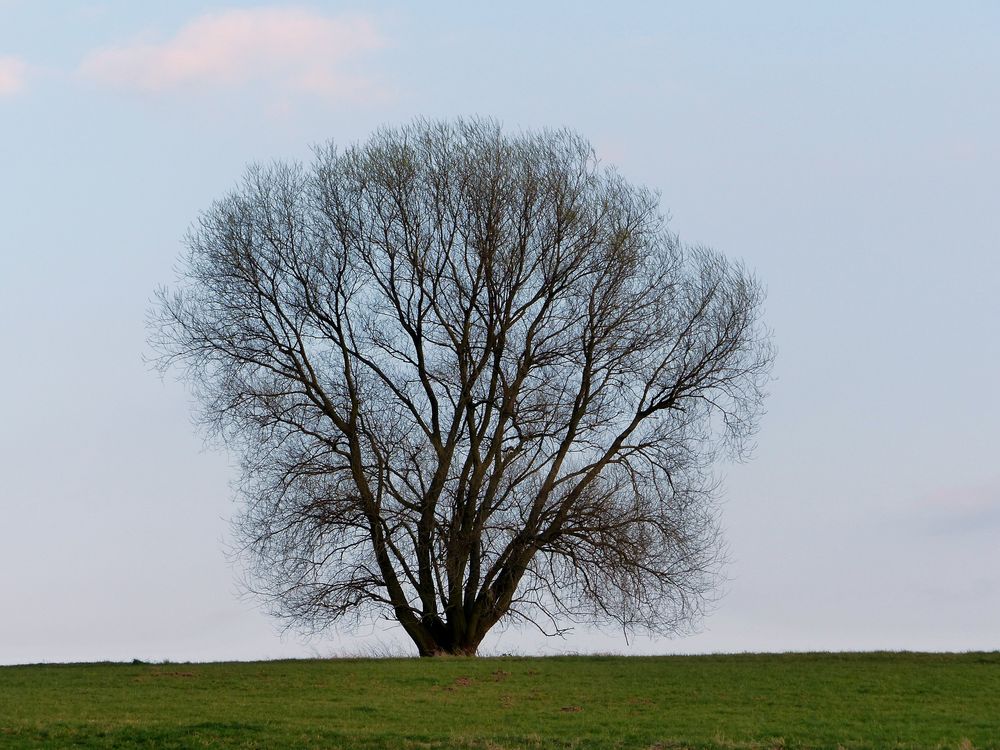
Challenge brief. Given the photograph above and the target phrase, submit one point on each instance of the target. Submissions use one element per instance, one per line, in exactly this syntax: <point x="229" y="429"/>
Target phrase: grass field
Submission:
<point x="831" y="701"/>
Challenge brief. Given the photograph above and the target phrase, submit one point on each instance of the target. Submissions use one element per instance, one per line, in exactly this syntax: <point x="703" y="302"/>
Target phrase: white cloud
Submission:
<point x="12" y="75"/>
<point x="291" y="49"/>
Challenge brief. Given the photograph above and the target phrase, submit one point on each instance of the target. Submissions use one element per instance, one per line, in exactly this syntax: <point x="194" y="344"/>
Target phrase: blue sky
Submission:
<point x="848" y="153"/>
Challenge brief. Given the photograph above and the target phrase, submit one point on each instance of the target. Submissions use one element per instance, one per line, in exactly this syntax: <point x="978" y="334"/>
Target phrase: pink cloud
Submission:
<point x="12" y="74"/>
<point x="962" y="509"/>
<point x="289" y="48"/>
<point x="968" y="499"/>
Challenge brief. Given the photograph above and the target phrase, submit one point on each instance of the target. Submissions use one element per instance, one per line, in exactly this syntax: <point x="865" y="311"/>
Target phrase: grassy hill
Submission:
<point x="879" y="700"/>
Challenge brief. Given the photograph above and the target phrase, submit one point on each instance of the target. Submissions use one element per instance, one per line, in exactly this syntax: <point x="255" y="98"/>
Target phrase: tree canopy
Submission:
<point x="473" y="378"/>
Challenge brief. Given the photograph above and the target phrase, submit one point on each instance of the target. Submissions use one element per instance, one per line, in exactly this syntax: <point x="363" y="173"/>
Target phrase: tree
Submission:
<point x="472" y="378"/>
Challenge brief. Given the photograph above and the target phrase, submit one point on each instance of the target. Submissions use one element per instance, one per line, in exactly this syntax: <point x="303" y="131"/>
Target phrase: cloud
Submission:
<point x="963" y="509"/>
<point x="12" y="75"/>
<point x="291" y="49"/>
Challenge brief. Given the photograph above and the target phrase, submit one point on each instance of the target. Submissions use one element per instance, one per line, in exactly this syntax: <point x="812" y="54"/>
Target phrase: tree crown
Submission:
<point x="472" y="376"/>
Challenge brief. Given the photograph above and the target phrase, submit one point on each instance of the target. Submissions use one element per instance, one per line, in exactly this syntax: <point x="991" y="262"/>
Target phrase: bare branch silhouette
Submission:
<point x="472" y="376"/>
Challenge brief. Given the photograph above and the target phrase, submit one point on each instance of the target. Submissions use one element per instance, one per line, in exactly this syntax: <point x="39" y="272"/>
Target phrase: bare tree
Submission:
<point x="472" y="378"/>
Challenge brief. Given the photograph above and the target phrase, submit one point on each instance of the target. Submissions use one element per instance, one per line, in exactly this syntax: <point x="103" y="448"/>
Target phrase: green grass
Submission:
<point x="875" y="701"/>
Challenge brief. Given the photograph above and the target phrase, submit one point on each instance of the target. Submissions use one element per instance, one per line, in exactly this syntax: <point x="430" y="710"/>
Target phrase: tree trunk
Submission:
<point x="442" y="641"/>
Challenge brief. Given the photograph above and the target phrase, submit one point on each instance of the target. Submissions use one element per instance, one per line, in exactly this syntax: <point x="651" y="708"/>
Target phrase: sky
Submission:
<point x="849" y="153"/>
